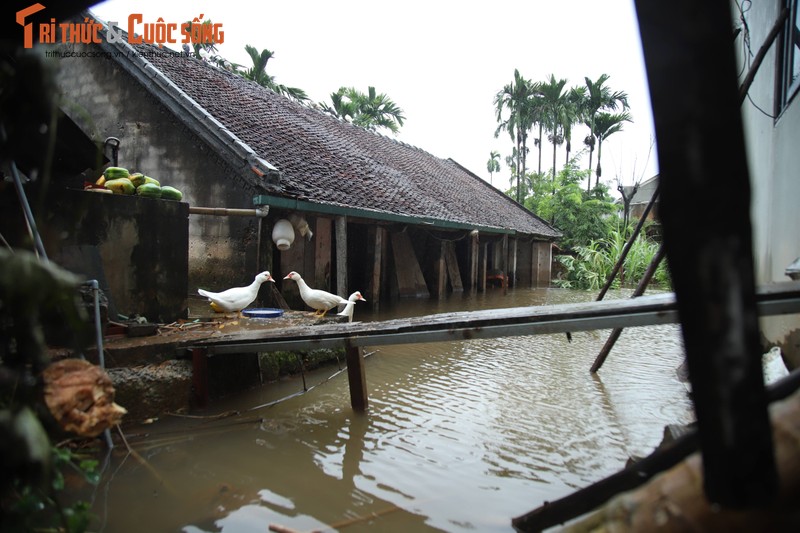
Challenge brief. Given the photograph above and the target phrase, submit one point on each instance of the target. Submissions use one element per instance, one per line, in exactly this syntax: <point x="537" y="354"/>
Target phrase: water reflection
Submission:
<point x="458" y="436"/>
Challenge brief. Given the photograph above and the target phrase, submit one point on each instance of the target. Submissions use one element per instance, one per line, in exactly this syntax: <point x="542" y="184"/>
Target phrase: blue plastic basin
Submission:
<point x="263" y="312"/>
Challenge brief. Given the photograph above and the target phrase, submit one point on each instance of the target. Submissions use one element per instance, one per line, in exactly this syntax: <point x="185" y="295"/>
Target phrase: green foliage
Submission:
<point x="258" y="74"/>
<point x="30" y="507"/>
<point x="591" y="265"/>
<point x="370" y="110"/>
<point x="35" y="299"/>
<point x="581" y="216"/>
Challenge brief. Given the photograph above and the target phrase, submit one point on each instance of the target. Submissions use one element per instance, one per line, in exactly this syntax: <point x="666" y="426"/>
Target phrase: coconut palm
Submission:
<point x="258" y="73"/>
<point x="605" y="125"/>
<point x="516" y="98"/>
<point x="493" y="164"/>
<point x="598" y="98"/>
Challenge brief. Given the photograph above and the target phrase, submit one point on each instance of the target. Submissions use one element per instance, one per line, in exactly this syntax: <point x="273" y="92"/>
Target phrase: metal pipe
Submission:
<point x="229" y="212"/>
<point x="26" y="209"/>
<point x="99" y="335"/>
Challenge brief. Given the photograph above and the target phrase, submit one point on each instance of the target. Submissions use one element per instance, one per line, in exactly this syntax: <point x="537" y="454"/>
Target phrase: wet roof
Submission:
<point x="325" y="160"/>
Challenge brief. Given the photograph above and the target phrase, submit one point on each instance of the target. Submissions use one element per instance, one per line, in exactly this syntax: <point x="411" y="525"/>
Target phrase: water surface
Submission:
<point x="458" y="436"/>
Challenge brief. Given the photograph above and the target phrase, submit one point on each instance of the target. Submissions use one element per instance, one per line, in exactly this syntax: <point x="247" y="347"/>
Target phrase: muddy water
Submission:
<point x="458" y="436"/>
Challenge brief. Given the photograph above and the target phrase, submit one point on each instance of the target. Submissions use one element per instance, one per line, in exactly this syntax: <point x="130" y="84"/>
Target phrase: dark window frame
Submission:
<point x="788" y="71"/>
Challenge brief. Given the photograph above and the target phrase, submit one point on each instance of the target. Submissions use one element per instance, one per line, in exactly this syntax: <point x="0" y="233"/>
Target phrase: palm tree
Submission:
<point x="516" y="98"/>
<point x="258" y="73"/>
<point x="572" y="116"/>
<point x="200" y="49"/>
<point x="493" y="164"/>
<point x="553" y="106"/>
<point x="370" y="111"/>
<point x="599" y="97"/>
<point x="605" y="125"/>
<point x="378" y="111"/>
<point x="343" y="107"/>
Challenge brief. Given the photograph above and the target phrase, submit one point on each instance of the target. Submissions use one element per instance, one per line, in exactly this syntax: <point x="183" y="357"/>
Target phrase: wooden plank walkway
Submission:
<point x="776" y="299"/>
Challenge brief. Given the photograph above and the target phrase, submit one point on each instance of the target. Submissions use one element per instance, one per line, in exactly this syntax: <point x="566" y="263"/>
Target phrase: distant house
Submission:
<point x="385" y="218"/>
<point x="640" y="199"/>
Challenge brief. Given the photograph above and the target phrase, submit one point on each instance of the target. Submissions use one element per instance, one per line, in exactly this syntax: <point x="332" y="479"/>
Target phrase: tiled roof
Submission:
<point x="325" y="160"/>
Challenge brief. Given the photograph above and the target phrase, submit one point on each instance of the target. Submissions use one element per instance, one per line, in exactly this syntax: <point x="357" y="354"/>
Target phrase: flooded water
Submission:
<point x="458" y="436"/>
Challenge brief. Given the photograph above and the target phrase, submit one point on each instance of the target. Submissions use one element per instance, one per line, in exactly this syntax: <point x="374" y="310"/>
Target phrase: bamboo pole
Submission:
<point x="616" y="332"/>
<point x="629" y="244"/>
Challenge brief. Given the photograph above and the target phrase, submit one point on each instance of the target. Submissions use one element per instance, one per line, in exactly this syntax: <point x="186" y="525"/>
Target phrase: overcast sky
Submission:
<point x="441" y="61"/>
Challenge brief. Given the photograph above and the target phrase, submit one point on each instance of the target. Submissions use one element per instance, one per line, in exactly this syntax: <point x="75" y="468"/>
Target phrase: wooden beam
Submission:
<point x="410" y="281"/>
<point x="341" y="256"/>
<point x="773" y="299"/>
<point x="702" y="155"/>
<point x="453" y="272"/>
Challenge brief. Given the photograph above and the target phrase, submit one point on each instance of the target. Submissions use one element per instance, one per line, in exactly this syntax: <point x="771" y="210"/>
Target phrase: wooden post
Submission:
<point x="504" y="261"/>
<point x="474" y="260"/>
<point x="322" y="254"/>
<point x="200" y="377"/>
<point x="440" y="271"/>
<point x="341" y="256"/>
<point x="701" y="145"/>
<point x="513" y="275"/>
<point x="375" y="284"/>
<point x="356" y="376"/>
<point x="484" y="261"/>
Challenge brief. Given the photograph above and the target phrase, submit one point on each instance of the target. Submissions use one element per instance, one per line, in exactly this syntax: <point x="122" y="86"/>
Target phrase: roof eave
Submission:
<point x="235" y="152"/>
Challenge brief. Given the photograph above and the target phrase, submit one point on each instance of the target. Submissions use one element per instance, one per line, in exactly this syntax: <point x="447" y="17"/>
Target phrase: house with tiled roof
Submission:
<point x="640" y="196"/>
<point x="368" y="212"/>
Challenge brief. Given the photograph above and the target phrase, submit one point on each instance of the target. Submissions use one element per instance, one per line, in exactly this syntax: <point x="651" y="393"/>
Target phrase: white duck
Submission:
<point x="351" y="303"/>
<point x="237" y="298"/>
<point x="316" y="299"/>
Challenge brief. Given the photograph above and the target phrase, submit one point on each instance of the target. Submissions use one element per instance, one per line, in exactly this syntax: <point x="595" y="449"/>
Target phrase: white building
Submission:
<point x="771" y="115"/>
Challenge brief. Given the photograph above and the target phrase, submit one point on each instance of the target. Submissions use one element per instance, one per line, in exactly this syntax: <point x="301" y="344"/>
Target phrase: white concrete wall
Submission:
<point x="773" y="151"/>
